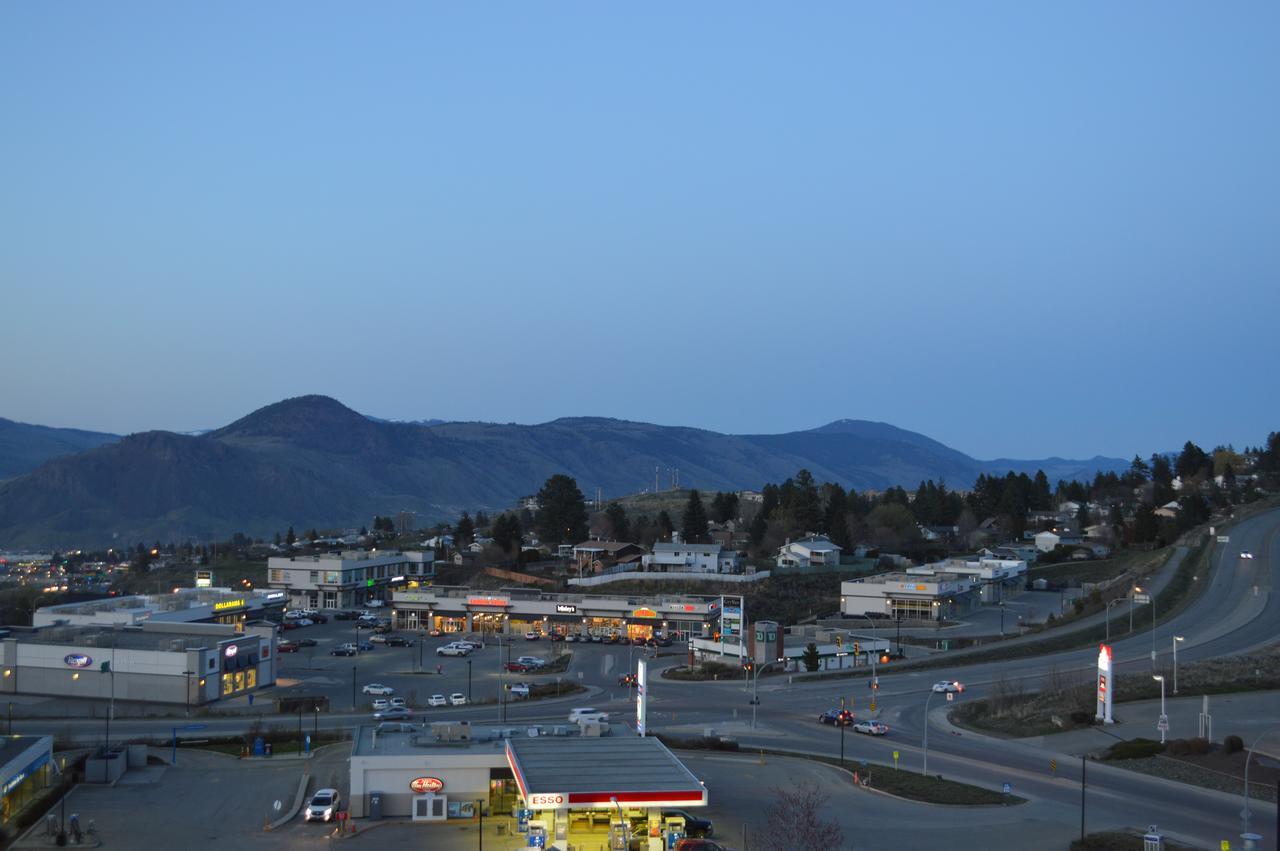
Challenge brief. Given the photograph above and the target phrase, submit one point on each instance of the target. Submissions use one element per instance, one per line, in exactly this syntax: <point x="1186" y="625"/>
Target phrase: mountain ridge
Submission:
<point x="312" y="461"/>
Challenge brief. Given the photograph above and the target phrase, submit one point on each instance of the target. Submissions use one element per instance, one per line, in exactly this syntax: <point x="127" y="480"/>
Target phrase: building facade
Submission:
<point x="348" y="579"/>
<point x="912" y="597"/>
<point x="679" y="557"/>
<point x="185" y="605"/>
<point x="813" y="551"/>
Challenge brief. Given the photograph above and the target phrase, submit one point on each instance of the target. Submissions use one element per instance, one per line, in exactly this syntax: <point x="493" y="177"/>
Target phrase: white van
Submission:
<point x="587" y="714"/>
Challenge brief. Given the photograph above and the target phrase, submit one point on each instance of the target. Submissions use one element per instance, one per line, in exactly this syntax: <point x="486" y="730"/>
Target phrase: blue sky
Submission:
<point x="1021" y="228"/>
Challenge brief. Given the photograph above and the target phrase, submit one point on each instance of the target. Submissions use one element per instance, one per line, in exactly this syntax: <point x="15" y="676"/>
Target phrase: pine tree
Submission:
<point x="563" y="512"/>
<point x="693" y="523"/>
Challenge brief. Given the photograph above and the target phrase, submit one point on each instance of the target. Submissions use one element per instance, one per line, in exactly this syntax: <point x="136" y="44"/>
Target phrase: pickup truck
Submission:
<point x="453" y="650"/>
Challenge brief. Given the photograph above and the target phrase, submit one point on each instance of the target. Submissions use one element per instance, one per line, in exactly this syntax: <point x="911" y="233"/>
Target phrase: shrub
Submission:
<point x="1134" y="749"/>
<point x="1198" y="746"/>
<point x="1232" y="744"/>
<point x="1178" y="747"/>
<point x="1082" y="718"/>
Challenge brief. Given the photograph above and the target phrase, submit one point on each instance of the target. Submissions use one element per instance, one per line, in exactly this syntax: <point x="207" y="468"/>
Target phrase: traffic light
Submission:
<point x="857" y="647"/>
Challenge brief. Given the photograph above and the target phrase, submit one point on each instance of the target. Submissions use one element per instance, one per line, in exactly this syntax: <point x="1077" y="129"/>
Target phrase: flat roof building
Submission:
<point x="25" y="772"/>
<point x="154" y="662"/>
<point x="348" y="579"/>
<point x="936" y="596"/>
<point x="184" y="605"/>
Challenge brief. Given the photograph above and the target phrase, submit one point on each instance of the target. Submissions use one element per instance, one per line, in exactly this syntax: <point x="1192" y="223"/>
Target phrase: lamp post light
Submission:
<point x="925" y="744"/>
<point x="1107" y="617"/>
<point x="1176" y="639"/>
<point x="1245" y="814"/>
<point x="755" y="688"/>
<point x="1136" y="591"/>
<point x="353" y="688"/>
<point x="1002" y="618"/>
<point x="1163" y="724"/>
<point x="187" y="675"/>
<point x="315" y="725"/>
<point x="468" y="681"/>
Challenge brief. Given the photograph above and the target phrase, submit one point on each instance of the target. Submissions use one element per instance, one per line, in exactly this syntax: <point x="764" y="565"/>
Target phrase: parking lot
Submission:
<point x="417" y="672"/>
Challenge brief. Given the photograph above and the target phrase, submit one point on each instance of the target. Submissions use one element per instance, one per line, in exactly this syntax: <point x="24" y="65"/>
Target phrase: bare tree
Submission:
<point x="795" y="820"/>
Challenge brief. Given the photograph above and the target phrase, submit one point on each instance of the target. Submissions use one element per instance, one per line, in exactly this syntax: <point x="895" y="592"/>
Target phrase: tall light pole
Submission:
<point x="755" y="687"/>
<point x="1163" y="723"/>
<point x="1107" y="617"/>
<point x="1153" y="631"/>
<point x="1176" y="639"/>
<point x="1136" y="591"/>
<point x="468" y="681"/>
<point x="925" y="747"/>
<point x="1245" y="814"/>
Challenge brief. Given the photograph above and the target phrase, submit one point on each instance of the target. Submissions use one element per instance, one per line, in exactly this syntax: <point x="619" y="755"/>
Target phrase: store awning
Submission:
<point x="581" y="772"/>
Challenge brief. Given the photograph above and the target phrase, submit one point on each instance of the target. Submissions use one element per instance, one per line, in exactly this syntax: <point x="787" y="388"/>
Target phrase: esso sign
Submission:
<point x="426" y="784"/>
<point x="549" y="800"/>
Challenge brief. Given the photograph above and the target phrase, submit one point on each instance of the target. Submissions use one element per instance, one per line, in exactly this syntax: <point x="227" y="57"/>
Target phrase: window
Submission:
<point x="277" y="575"/>
<point x="315" y="575"/>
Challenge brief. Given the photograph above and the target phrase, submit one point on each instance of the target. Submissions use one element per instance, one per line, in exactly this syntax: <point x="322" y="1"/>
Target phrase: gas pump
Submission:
<point x="674" y="830"/>
<point x="537" y="835"/>
<point x="618" y="837"/>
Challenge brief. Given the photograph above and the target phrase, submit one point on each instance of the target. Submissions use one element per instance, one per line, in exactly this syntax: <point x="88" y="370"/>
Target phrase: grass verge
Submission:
<point x="927" y="789"/>
<point x="1120" y="840"/>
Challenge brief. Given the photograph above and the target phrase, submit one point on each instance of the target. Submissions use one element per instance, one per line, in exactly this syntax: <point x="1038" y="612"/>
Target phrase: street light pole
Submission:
<point x="1245" y="814"/>
<point x="1176" y="639"/>
<point x="1163" y="723"/>
<point x="1153" y="632"/>
<point x="353" y="688"/>
<point x="1107" y="616"/>
<point x="926" y="732"/>
<point x="468" y="681"/>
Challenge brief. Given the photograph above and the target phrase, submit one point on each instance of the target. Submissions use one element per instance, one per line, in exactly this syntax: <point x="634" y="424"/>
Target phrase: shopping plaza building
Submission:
<point x="519" y="610"/>
<point x="184" y="605"/>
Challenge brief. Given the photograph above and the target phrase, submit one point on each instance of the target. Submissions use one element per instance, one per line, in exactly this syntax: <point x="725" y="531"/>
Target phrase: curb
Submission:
<point x="303" y="782"/>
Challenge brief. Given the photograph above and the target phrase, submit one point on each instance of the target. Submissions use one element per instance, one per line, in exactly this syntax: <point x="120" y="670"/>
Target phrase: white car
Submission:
<point x="437" y="700"/>
<point x="377" y="604"/>
<point x="303" y="622"/>
<point x="871" y="728"/>
<point x="380" y="703"/>
<point x="398" y="703"/>
<point x="457" y="699"/>
<point x="519" y="691"/>
<point x="378" y="688"/>
<point x="948" y="686"/>
<point x="378" y="638"/>
<point x="453" y="650"/>
<point x="531" y="661"/>
<point x="587" y="713"/>
<point x="1246" y="554"/>
<point x="469" y="642"/>
<point x="323" y="806"/>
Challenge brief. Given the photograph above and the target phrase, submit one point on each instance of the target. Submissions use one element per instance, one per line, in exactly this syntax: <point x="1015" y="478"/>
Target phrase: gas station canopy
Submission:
<point x="579" y="773"/>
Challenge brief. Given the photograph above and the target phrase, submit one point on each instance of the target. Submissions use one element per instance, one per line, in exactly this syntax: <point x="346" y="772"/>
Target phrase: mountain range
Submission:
<point x="311" y="461"/>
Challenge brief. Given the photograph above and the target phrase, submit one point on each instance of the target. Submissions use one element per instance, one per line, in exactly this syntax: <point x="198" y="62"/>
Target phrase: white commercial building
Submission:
<point x="912" y="597"/>
<point x="348" y="579"/>
<point x="995" y="576"/>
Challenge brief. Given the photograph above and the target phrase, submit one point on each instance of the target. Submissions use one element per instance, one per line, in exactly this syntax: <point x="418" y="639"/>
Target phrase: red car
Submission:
<point x="516" y="667"/>
<point x="286" y="647"/>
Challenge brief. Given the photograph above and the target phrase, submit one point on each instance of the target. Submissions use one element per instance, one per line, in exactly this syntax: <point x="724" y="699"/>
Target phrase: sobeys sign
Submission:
<point x="426" y="784"/>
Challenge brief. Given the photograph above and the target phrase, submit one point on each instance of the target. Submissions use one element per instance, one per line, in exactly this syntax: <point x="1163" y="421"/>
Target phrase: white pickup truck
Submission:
<point x="453" y="650"/>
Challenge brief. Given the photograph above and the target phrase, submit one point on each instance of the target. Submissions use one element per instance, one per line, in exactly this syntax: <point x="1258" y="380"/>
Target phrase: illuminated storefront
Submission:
<point x="25" y="772"/>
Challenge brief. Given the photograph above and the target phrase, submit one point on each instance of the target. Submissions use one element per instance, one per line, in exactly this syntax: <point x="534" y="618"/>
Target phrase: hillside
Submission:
<point x="311" y="461"/>
<point x="23" y="447"/>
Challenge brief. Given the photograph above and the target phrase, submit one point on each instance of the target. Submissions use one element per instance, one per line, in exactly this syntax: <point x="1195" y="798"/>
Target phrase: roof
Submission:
<point x="814" y="542"/>
<point x="685" y="547"/>
<point x="605" y="546"/>
<point x="132" y="638"/>
<point x="589" y="771"/>
<point x="12" y="747"/>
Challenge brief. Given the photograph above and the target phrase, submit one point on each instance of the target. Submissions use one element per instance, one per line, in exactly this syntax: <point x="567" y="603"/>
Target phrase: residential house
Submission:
<point x="1169" y="510"/>
<point x="812" y="551"/>
<point x="597" y="555"/>
<point x="680" y="557"/>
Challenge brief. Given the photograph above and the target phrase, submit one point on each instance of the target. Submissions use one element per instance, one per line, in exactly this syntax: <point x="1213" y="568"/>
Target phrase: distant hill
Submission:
<point x="23" y="447"/>
<point x="311" y="461"/>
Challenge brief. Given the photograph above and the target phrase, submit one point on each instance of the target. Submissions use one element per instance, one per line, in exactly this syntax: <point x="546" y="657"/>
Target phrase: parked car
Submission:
<point x="345" y="616"/>
<point x="305" y="642"/>
<point x="395" y="727"/>
<point x="398" y="703"/>
<point x="375" y="604"/>
<point x="570" y="638"/>
<point x="532" y="661"/>
<point x="365" y="647"/>
<point x="397" y="641"/>
<point x="871" y="728"/>
<point x="378" y="639"/>
<point x="946" y="686"/>
<point x="519" y="691"/>
<point x="343" y="650"/>
<point x="378" y="688"/>
<point x="393" y="713"/>
<point x="317" y="618"/>
<point x="289" y="625"/>
<point x="837" y="717"/>
<point x="303" y="622"/>
<point x="470" y="642"/>
<point x="380" y="703"/>
<point x="457" y="699"/>
<point x="532" y="636"/>
<point x="287" y="647"/>
<point x="694" y="826"/>
<point x="437" y="700"/>
<point x="453" y="650"/>
<point x="381" y="627"/>
<point x="324" y="805"/>
<point x="516" y="667"/>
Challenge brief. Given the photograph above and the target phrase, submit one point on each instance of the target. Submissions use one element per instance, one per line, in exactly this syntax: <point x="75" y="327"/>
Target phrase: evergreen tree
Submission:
<point x="290" y="538"/>
<point x="563" y="513"/>
<point x="507" y="532"/>
<point x="465" y="530"/>
<point x="619" y="526"/>
<point x="811" y="658"/>
<point x="693" y="523"/>
<point x="724" y="506"/>
<point x="665" y="526"/>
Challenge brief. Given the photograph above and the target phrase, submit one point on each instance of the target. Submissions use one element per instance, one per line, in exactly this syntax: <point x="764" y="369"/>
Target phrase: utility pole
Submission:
<point x="1083" y="766"/>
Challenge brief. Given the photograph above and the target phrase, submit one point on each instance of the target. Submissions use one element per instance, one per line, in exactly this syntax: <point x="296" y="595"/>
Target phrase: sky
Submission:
<point x="1024" y="229"/>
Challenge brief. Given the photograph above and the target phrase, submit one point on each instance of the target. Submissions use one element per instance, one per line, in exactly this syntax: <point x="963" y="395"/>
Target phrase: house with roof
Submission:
<point x="1169" y="509"/>
<point x="595" y="556"/>
<point x="681" y="557"/>
<point x="810" y="551"/>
